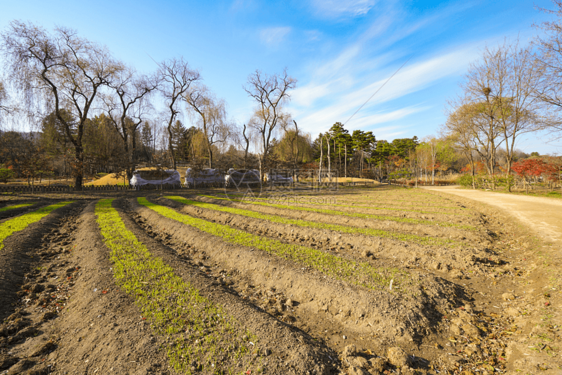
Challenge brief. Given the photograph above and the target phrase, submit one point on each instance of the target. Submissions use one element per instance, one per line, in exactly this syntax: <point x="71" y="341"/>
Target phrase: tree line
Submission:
<point x="95" y="114"/>
<point x="510" y="92"/>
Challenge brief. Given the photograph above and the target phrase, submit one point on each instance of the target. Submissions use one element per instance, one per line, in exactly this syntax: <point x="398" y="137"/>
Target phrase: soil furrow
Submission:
<point x="357" y="213"/>
<point x="375" y="250"/>
<point x="391" y="316"/>
<point x="281" y="349"/>
<point x="26" y="334"/>
<point x="100" y="329"/>
<point x="475" y="237"/>
<point x="342" y="202"/>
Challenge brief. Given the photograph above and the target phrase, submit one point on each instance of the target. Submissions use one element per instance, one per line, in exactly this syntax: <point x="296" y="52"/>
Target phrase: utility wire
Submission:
<point x="379" y="89"/>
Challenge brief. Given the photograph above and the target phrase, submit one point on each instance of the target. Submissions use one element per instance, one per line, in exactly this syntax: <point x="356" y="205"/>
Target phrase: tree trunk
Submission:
<point x="345" y="160"/>
<point x="247" y="147"/>
<point x="321" y="157"/>
<point x="171" y="149"/>
<point x="433" y="171"/>
<point x="472" y="172"/>
<point x="79" y="168"/>
<point x="329" y="159"/>
<point x="131" y="155"/>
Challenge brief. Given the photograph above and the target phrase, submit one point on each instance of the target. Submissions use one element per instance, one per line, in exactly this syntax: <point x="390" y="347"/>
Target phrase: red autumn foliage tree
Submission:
<point x="529" y="168"/>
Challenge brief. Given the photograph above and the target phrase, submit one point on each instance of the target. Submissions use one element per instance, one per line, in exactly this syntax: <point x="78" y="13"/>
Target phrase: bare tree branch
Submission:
<point x="176" y="77"/>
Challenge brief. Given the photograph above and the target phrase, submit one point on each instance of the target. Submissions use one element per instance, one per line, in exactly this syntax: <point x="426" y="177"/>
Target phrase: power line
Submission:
<point x="354" y="113"/>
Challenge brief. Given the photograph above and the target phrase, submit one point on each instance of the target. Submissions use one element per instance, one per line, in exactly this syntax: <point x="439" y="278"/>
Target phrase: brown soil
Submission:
<point x="375" y="250"/>
<point x="492" y="306"/>
<point x="477" y="237"/>
<point x="322" y="307"/>
<point x="291" y="351"/>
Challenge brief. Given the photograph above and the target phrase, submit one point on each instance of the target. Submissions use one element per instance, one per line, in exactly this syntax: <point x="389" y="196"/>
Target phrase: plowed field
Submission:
<point x="366" y="281"/>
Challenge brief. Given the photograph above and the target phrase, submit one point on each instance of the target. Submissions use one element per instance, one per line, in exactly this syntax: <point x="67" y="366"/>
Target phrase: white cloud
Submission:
<point x="306" y="95"/>
<point x="273" y="36"/>
<point x="239" y="5"/>
<point x="353" y="91"/>
<point x="312" y="35"/>
<point x="345" y="8"/>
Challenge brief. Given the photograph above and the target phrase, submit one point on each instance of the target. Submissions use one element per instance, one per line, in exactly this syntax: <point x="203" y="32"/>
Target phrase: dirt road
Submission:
<point x="542" y="215"/>
<point x="538" y="291"/>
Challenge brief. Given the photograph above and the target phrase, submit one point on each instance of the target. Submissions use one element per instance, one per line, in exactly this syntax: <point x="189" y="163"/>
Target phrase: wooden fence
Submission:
<point x="40" y="189"/>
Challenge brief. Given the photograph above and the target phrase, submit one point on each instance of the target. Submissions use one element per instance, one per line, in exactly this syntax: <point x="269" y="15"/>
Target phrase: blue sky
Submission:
<point x="339" y="51"/>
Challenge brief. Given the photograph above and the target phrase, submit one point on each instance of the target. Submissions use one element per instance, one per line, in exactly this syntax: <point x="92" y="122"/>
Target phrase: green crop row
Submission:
<point x="15" y="206"/>
<point x="19" y="223"/>
<point x="411" y="203"/>
<point x="313" y="224"/>
<point x="350" y="214"/>
<point x="380" y="208"/>
<point x="358" y="273"/>
<point x="203" y="334"/>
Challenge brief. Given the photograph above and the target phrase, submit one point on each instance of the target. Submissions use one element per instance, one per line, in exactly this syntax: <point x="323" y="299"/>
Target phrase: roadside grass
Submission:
<point x="312" y="224"/>
<point x="358" y="273"/>
<point x="19" y="223"/>
<point x="7" y="208"/>
<point x="204" y="336"/>
<point x="350" y="214"/>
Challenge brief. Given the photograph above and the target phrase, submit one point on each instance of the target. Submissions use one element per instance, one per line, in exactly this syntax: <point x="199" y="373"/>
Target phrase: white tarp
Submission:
<point x="278" y="178"/>
<point x="237" y="178"/>
<point x="169" y="176"/>
<point x="205" y="176"/>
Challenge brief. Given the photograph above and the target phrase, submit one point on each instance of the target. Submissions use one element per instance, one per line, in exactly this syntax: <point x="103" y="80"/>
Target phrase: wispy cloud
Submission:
<point x="273" y="36"/>
<point x="312" y="35"/>
<point x="341" y="84"/>
<point x="316" y="103"/>
<point x="342" y="8"/>
<point x="239" y="5"/>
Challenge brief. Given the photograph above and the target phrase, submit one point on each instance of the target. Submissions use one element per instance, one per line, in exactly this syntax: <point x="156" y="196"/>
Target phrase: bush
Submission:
<point x="505" y="181"/>
<point x="6" y="174"/>
<point x="465" y="180"/>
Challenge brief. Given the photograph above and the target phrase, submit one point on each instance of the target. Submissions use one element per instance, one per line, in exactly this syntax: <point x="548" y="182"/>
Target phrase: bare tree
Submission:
<point x="512" y="77"/>
<point x="247" y="138"/>
<point x="176" y="78"/>
<point x="211" y="114"/>
<point x="61" y="71"/>
<point x="505" y="81"/>
<point x="482" y="110"/>
<point x="3" y="97"/>
<point x="461" y="131"/>
<point x="481" y="120"/>
<point x="295" y="144"/>
<point x="550" y="59"/>
<point x="3" y="107"/>
<point x="127" y="107"/>
<point x="270" y="94"/>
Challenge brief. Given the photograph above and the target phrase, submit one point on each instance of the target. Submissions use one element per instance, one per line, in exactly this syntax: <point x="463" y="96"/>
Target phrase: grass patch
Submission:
<point x="358" y="273"/>
<point x="19" y="223"/>
<point x="312" y="224"/>
<point x="204" y="335"/>
<point x="7" y="208"/>
<point x="350" y="214"/>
